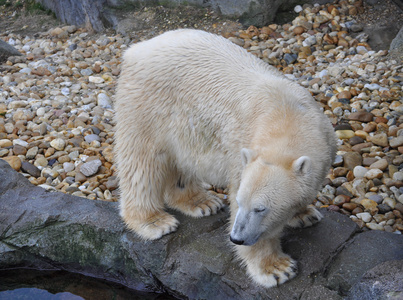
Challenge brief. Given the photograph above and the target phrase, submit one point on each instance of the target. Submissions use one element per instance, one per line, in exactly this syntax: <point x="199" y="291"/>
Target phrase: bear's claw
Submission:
<point x="157" y="226"/>
<point x="276" y="271"/>
<point x="308" y="217"/>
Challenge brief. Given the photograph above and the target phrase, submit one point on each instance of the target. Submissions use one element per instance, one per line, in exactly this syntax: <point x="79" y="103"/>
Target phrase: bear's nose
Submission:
<point x="235" y="241"/>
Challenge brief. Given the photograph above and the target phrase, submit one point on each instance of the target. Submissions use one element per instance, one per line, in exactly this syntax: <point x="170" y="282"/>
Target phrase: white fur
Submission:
<point x="187" y="103"/>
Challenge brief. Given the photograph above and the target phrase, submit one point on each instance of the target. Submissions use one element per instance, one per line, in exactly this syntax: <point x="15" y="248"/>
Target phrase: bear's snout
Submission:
<point x="235" y="241"/>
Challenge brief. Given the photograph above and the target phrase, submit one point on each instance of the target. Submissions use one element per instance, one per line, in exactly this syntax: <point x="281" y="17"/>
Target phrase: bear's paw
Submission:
<point x="155" y="227"/>
<point x="274" y="270"/>
<point x="306" y="218"/>
<point x="200" y="204"/>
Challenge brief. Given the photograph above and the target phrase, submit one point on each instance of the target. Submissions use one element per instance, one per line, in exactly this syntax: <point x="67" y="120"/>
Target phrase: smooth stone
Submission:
<point x="68" y="167"/>
<point x="90" y="168"/>
<point x="365" y="216"/>
<point x="374" y="173"/>
<point x="383" y="208"/>
<point x="398" y="176"/>
<point x="58" y="144"/>
<point x="369" y="204"/>
<point x="355" y="140"/>
<point x="351" y="160"/>
<point x="92" y="137"/>
<point x="32" y="152"/>
<point x="13" y="161"/>
<point x="19" y="150"/>
<point x="377" y="198"/>
<point x="381" y="164"/>
<point x="41" y="162"/>
<point x="30" y="169"/>
<point x="344" y="134"/>
<point x="380" y="139"/>
<point x="389" y="202"/>
<point x="20" y="143"/>
<point x="396" y="142"/>
<point x="338" y="161"/>
<point x="104" y="100"/>
<point x="359" y="171"/>
<point x="361" y="116"/>
<point x="374" y="226"/>
<point x="95" y="79"/>
<point x="5" y="143"/>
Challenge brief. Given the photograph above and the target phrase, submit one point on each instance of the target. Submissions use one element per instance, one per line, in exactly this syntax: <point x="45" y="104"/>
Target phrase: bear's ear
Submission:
<point x="247" y="155"/>
<point x="302" y="166"/>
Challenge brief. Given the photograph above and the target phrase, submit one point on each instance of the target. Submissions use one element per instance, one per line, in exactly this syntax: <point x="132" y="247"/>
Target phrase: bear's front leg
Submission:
<point x="266" y="263"/>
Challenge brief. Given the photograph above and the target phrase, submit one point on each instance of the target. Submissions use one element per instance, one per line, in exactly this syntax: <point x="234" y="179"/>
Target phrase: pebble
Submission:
<point x="13" y="161"/>
<point x="365" y="216"/>
<point x="359" y="171"/>
<point x="56" y="107"/>
<point x="58" y="144"/>
<point x="90" y="168"/>
<point x="30" y="169"/>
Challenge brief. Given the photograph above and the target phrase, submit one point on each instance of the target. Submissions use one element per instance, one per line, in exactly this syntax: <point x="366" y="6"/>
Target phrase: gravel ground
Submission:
<point x="56" y="106"/>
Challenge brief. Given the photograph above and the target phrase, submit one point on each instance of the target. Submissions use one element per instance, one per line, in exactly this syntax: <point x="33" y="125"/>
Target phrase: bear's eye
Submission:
<point x="259" y="209"/>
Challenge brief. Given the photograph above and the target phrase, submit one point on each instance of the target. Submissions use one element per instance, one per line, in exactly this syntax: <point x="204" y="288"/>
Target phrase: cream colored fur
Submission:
<point x="192" y="107"/>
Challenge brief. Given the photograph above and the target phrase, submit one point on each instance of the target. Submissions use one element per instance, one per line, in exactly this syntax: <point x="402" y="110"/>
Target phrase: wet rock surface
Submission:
<point x="52" y="230"/>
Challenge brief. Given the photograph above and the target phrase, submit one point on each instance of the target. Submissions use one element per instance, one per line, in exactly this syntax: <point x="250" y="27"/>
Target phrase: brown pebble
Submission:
<point x="357" y="210"/>
<point x="350" y="206"/>
<point x="361" y="116"/>
<point x="344" y="95"/>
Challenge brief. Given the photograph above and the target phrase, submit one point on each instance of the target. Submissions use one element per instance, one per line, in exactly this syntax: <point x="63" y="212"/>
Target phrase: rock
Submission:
<point x="384" y="281"/>
<point x="34" y="228"/>
<point x="359" y="171"/>
<point x="68" y="167"/>
<point x="346" y="268"/>
<point x="112" y="183"/>
<point x="374" y="173"/>
<point x="95" y="79"/>
<point x="5" y="143"/>
<point x="58" y="144"/>
<point x="361" y="116"/>
<point x="6" y="50"/>
<point x="344" y="134"/>
<point x="351" y="160"/>
<point x="380" y="139"/>
<point x="396" y="142"/>
<point x="365" y="216"/>
<point x="13" y="161"/>
<point x="41" y="162"/>
<point x="396" y="46"/>
<point x="369" y="205"/>
<point x="92" y="137"/>
<point x="32" y="152"/>
<point x="381" y="164"/>
<point x="90" y="168"/>
<point x="30" y="169"/>
<point x="100" y="14"/>
<point x="104" y="101"/>
<point x="19" y="150"/>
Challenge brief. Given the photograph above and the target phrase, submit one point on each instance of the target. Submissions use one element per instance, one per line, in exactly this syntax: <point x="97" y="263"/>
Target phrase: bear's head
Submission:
<point x="269" y="195"/>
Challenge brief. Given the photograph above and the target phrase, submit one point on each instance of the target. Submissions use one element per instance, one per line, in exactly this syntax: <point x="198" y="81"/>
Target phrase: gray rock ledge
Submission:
<point x="55" y="231"/>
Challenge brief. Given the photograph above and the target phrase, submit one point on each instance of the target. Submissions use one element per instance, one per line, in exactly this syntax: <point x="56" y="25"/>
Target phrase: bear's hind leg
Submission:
<point x="142" y="185"/>
<point x="305" y="218"/>
<point x="192" y="200"/>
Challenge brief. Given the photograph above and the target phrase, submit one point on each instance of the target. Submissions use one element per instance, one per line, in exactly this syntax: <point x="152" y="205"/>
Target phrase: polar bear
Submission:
<point x="194" y="108"/>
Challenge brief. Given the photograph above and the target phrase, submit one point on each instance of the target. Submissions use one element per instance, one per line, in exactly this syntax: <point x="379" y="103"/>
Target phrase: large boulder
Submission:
<point x="6" y="50"/>
<point x="396" y="47"/>
<point x="45" y="230"/>
<point x="98" y="14"/>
